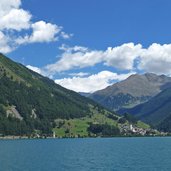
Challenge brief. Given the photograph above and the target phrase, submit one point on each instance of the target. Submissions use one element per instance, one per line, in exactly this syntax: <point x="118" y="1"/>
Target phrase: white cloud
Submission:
<point x="42" y="32"/>
<point x="73" y="49"/>
<point x="80" y="74"/>
<point x="7" y="5"/>
<point x="121" y="57"/>
<point x="35" y="69"/>
<point x="12" y="16"/>
<point x="93" y="82"/>
<point x="157" y="59"/>
<point x="76" y="57"/>
<point x="4" y="47"/>
<point x="14" y="19"/>
<point x="66" y="35"/>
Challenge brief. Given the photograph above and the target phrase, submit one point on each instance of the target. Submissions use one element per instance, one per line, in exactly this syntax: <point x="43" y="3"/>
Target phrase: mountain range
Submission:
<point x="135" y="90"/>
<point x="31" y="104"/>
<point x="147" y="97"/>
<point x="156" y="111"/>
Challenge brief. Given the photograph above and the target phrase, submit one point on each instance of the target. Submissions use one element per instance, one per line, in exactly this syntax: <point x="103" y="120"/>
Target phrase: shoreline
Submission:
<point x="41" y="138"/>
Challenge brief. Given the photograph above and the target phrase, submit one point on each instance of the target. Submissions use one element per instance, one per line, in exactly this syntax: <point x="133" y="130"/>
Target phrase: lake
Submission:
<point x="86" y="154"/>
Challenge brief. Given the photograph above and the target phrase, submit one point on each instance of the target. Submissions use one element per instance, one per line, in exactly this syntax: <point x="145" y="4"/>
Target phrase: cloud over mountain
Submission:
<point x="93" y="82"/>
<point x="128" y="57"/>
<point x="18" y="28"/>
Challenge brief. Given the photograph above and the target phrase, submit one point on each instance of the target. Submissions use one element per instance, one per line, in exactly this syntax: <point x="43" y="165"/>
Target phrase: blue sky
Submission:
<point x="88" y="45"/>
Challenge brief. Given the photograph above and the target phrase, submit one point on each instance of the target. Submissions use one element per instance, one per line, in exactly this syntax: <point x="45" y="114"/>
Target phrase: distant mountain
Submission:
<point x="135" y="90"/>
<point x="157" y="111"/>
<point x="84" y="94"/>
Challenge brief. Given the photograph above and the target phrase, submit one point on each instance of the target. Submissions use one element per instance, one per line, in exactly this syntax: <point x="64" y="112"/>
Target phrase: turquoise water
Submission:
<point x="86" y="154"/>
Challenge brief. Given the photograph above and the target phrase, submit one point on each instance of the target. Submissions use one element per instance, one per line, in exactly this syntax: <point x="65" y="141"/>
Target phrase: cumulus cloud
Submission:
<point x="121" y="57"/>
<point x="35" y="69"/>
<point x="73" y="49"/>
<point x="156" y="58"/>
<point x="80" y="74"/>
<point x="84" y="82"/>
<point x="93" y="82"/>
<point x="4" y="47"/>
<point x="75" y="57"/>
<point x="42" y="32"/>
<point x="6" y="6"/>
<point x="127" y="57"/>
<point x="12" y="16"/>
<point x="66" y="35"/>
<point x="14" y="19"/>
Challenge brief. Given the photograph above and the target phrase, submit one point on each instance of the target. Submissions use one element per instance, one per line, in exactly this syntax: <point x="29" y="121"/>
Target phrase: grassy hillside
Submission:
<point x="97" y="125"/>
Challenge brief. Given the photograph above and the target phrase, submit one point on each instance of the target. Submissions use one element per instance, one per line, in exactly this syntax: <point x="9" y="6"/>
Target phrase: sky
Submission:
<point x="87" y="45"/>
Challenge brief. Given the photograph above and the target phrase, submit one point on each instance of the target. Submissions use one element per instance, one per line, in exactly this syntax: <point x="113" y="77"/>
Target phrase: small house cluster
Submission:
<point x="133" y="130"/>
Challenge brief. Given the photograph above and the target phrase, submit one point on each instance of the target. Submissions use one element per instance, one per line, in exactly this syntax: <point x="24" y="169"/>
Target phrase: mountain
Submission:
<point x="157" y="111"/>
<point x="33" y="105"/>
<point x="135" y="90"/>
<point x="84" y="94"/>
<point x="33" y="102"/>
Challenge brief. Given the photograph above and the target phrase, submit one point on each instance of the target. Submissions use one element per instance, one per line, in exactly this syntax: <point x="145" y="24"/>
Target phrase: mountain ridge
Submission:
<point x="155" y="111"/>
<point x="134" y="90"/>
<point x="32" y="93"/>
<point x="32" y="105"/>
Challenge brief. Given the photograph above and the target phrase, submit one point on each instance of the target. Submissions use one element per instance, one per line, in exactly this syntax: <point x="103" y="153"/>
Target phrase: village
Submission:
<point x="133" y="130"/>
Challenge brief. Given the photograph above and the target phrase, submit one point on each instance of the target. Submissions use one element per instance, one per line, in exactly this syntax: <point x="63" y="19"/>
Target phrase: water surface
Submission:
<point x="120" y="154"/>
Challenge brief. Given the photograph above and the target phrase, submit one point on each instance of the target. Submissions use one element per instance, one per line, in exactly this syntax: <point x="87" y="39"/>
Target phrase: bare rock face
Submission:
<point x="13" y="112"/>
<point x="134" y="90"/>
